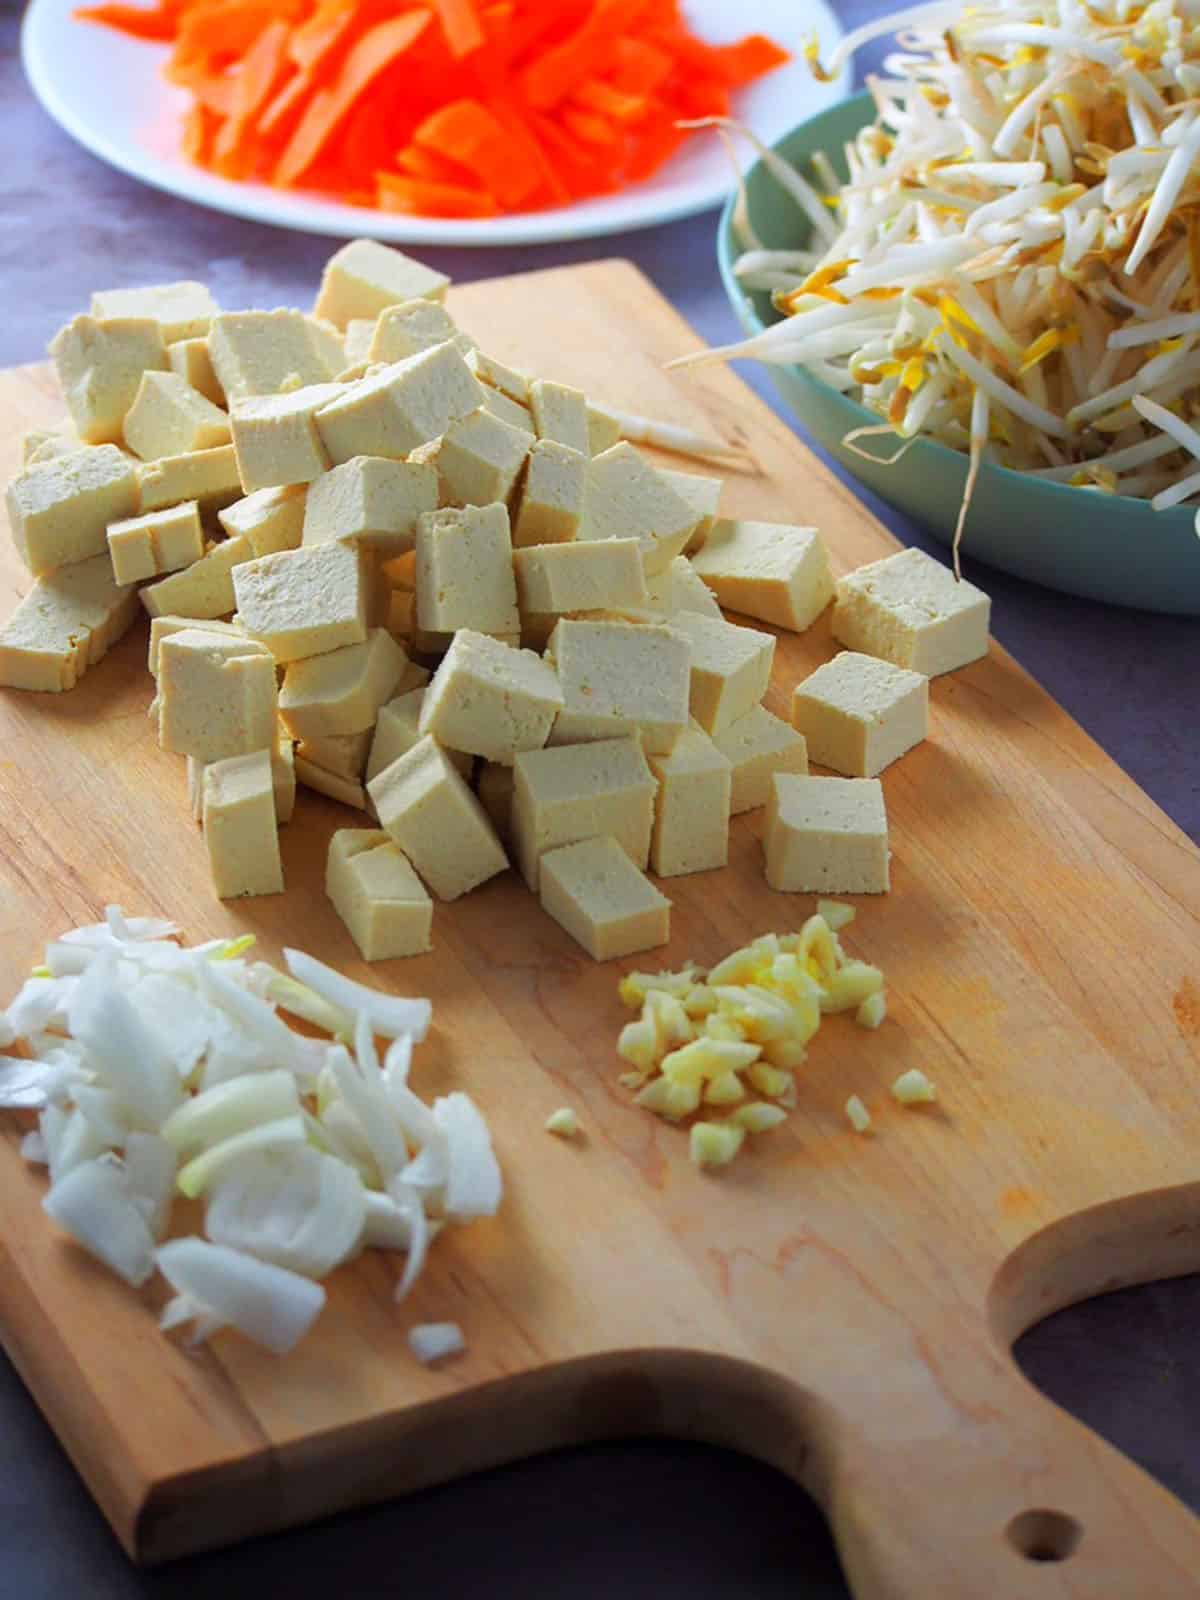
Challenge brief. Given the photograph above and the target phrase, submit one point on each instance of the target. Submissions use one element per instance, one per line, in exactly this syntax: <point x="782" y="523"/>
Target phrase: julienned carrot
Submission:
<point x="448" y="108"/>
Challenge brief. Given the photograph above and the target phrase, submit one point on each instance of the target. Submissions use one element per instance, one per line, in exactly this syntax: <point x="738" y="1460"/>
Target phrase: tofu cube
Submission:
<point x="341" y="691"/>
<point x="59" y="510"/>
<point x="395" y="409"/>
<point x="364" y="277"/>
<point x="490" y="700"/>
<point x="692" y="808"/>
<point x="191" y="360"/>
<point x="759" y="745"/>
<point x="342" y="754"/>
<point x="479" y="460"/>
<point x="464" y="572"/>
<point x="595" y="892"/>
<point x="275" y="436"/>
<point x="551" y="495"/>
<point x="731" y="668"/>
<point x="628" y="499"/>
<point x="410" y="326"/>
<point x="270" y="520"/>
<point x="182" y="310"/>
<point x="510" y="411"/>
<point x="675" y="589"/>
<point x="560" y="413"/>
<point x="209" y="477"/>
<point x="216" y="696"/>
<point x="100" y="365"/>
<point x="160" y="541"/>
<point x="504" y="380"/>
<point x="427" y="808"/>
<point x="283" y="781"/>
<point x="573" y="792"/>
<point x="170" y="418"/>
<point x="703" y="494"/>
<point x="859" y="714"/>
<point x="344" y="790"/>
<point x="826" y="835"/>
<point x="769" y="570"/>
<point x="620" y="678"/>
<point x="64" y="625"/>
<point x="356" y="342"/>
<point x="911" y="610"/>
<point x="44" y="444"/>
<point x="271" y="352"/>
<point x="163" y="627"/>
<point x="304" y="602"/>
<point x="372" y="501"/>
<point x="495" y="790"/>
<point x="579" y="577"/>
<point x="379" y="897"/>
<point x="398" y="729"/>
<point x="240" y="828"/>
<point x="205" y="589"/>
<point x="604" y="430"/>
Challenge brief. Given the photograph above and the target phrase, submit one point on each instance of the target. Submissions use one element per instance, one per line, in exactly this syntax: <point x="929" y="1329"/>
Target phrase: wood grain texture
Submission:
<point x="842" y="1307"/>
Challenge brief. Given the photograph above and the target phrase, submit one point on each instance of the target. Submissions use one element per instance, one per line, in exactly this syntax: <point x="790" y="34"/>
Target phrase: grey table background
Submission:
<point x="643" y="1518"/>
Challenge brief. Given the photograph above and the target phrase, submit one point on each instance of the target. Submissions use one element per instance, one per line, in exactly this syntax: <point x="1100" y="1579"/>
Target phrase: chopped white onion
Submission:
<point x="389" y="1014"/>
<point x="474" y="1186"/>
<point x="125" y="1053"/>
<point x="93" y="1204"/>
<point x="268" y="1304"/>
<point x="431" y="1341"/>
<point x="150" y="1178"/>
<point x="217" y="1114"/>
<point x="261" y="1140"/>
<point x="298" y="1208"/>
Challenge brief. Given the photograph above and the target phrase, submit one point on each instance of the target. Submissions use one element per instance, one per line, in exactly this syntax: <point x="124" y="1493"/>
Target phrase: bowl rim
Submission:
<point x="1175" y="520"/>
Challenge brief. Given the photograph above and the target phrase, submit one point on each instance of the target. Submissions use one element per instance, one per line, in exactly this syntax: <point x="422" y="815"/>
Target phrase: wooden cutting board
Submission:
<point x="840" y="1306"/>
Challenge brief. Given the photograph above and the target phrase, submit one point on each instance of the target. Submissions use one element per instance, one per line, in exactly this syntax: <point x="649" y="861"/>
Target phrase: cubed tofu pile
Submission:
<point x="448" y="594"/>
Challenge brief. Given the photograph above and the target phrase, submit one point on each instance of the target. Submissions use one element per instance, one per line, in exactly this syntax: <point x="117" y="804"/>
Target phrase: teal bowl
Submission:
<point x="1080" y="541"/>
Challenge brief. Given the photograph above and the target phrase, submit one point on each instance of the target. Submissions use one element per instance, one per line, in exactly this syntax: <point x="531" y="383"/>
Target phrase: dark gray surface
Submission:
<point x="653" y="1519"/>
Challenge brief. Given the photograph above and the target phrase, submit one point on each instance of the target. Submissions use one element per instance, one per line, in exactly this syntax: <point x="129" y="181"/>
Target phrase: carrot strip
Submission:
<point x="596" y="95"/>
<point x="432" y="199"/>
<point x="639" y="67"/>
<point x="468" y="133"/>
<point x="158" y="25"/>
<point x="561" y="70"/>
<point x="460" y="24"/>
<point x="257" y="76"/>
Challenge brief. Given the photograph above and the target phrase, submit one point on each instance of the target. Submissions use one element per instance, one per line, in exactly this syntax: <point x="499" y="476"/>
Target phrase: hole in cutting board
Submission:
<point x="1044" y="1535"/>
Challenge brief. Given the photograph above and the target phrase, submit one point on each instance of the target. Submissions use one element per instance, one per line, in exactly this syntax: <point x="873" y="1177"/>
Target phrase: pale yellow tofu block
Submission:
<point x="826" y="835"/>
<point x="731" y="668"/>
<point x="768" y="570"/>
<point x="270" y="520"/>
<point x="393" y="410"/>
<point x="604" y="430"/>
<point x="271" y="352"/>
<point x="343" y="754"/>
<point x="627" y="498"/>
<point x="163" y="627"/>
<point x="205" y="590"/>
<point x="216" y="695"/>
<point x="427" y="808"/>
<point x="44" y="444"/>
<point x="158" y="542"/>
<point x="356" y="343"/>
<point x="385" y="906"/>
<point x="571" y="792"/>
<point x="595" y="892"/>
<point x="692" y="807"/>
<point x="408" y="327"/>
<point x="283" y="781"/>
<point x="858" y="714"/>
<point x="464" y="572"/>
<point x="342" y="690"/>
<point x="65" y="624"/>
<point x="620" y="678"/>
<point x="909" y="609"/>
<point x="510" y="411"/>
<point x="703" y="494"/>
<point x="100" y="365"/>
<point x="343" y="790"/>
<point x="551" y="496"/>
<point x="364" y="277"/>
<point x="579" y="577"/>
<point x="675" y="589"/>
<point x="275" y="436"/>
<point x="759" y="745"/>
<point x="487" y="699"/>
<point x="240" y="828"/>
<point x="505" y="380"/>
<point x="182" y="310"/>
<point x="210" y="477"/>
<point x="560" y="413"/>
<point x="304" y="602"/>
<point x="398" y="729"/>
<point x="479" y="460"/>
<point x="494" y="786"/>
<point x="170" y="418"/>
<point x="374" y="502"/>
<point x="59" y="510"/>
<point x="191" y="360"/>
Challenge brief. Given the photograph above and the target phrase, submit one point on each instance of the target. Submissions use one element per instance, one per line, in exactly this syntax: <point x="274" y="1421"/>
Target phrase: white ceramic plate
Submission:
<point x="106" y="91"/>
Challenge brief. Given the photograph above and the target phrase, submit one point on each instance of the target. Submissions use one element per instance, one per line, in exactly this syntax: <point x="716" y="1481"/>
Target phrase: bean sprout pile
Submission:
<point x="1013" y="266"/>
